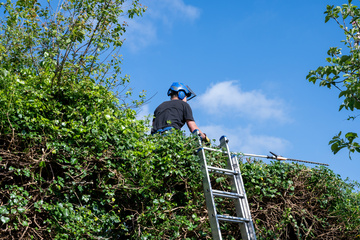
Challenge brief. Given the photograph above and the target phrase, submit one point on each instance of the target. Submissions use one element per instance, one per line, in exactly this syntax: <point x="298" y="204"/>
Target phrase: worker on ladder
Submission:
<point x="175" y="113"/>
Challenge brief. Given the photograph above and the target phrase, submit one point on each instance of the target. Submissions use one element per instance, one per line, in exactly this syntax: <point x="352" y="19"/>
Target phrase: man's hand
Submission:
<point x="202" y="135"/>
<point x="204" y="138"/>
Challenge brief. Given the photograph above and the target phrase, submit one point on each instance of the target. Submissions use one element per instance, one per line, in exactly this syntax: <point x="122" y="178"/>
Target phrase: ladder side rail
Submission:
<point x="243" y="202"/>
<point x="236" y="182"/>
<point x="239" y="188"/>
<point x="209" y="197"/>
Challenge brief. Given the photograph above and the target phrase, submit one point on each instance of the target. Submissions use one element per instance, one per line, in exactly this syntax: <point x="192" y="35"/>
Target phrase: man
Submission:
<point x="176" y="112"/>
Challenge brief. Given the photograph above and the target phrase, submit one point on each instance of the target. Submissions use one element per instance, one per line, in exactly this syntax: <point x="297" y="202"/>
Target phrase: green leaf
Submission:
<point x="4" y="219"/>
<point x="3" y="210"/>
<point x="351" y="136"/>
<point x="327" y="18"/>
<point x="344" y="58"/>
<point x="42" y="164"/>
<point x="21" y="209"/>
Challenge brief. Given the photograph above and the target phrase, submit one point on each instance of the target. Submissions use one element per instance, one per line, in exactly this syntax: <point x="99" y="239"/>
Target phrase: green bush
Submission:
<point x="291" y="201"/>
<point x="65" y="153"/>
<point x="95" y="173"/>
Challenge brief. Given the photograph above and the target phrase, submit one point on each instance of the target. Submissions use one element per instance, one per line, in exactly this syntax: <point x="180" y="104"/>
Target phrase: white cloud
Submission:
<point x="244" y="141"/>
<point x="140" y="34"/>
<point x="143" y="112"/>
<point x="227" y="97"/>
<point x="143" y="31"/>
<point x="171" y="10"/>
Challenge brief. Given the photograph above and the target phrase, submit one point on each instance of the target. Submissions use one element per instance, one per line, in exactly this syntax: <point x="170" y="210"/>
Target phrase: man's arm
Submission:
<point x="192" y="126"/>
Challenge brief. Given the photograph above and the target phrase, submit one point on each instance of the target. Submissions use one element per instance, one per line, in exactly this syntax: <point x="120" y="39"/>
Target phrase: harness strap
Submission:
<point x="161" y="131"/>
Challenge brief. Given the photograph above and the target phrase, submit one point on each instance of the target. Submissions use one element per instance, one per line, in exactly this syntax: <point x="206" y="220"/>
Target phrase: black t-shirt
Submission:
<point x="173" y="113"/>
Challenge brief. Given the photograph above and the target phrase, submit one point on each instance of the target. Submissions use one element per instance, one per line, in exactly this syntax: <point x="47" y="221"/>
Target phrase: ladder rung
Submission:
<point x="223" y="171"/>
<point x="212" y="149"/>
<point x="232" y="219"/>
<point x="227" y="194"/>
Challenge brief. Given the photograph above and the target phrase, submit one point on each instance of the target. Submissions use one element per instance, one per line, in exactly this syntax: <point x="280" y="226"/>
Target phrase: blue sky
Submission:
<point x="247" y="62"/>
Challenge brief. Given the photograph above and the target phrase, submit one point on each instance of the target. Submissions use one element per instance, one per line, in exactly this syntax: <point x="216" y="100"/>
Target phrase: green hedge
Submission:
<point x="75" y="163"/>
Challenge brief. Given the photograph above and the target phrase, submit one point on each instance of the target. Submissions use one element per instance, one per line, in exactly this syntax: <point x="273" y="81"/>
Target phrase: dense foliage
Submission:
<point x="75" y="163"/>
<point x="149" y="187"/>
<point x="57" y="158"/>
<point x="291" y="201"/>
<point x="342" y="72"/>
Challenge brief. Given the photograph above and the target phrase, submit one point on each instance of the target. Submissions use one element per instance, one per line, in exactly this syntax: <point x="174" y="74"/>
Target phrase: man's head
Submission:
<point x="180" y="91"/>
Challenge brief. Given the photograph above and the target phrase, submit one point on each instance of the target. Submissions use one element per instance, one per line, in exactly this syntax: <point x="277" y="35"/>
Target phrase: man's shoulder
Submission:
<point x="175" y="102"/>
<point x="180" y="102"/>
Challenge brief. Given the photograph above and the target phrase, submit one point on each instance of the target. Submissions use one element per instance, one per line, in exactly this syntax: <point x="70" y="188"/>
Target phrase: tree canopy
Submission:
<point x="343" y="72"/>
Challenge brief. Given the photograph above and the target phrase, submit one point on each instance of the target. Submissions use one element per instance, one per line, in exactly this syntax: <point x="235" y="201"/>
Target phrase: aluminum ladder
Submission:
<point x="237" y="193"/>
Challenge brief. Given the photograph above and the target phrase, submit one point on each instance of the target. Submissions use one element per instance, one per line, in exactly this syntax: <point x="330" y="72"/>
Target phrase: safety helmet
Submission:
<point x="182" y="90"/>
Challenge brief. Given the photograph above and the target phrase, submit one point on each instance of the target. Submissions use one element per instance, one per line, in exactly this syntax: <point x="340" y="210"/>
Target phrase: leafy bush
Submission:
<point x="154" y="191"/>
<point x="61" y="157"/>
<point x="291" y="201"/>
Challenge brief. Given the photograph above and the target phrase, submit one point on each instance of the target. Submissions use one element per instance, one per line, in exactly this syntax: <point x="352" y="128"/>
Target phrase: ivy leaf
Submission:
<point x="4" y="219"/>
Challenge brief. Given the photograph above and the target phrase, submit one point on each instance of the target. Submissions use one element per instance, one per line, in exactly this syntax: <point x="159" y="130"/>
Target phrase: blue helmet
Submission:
<point x="182" y="90"/>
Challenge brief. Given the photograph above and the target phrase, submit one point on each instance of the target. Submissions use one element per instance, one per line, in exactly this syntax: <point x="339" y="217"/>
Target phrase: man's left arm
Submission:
<point x="192" y="126"/>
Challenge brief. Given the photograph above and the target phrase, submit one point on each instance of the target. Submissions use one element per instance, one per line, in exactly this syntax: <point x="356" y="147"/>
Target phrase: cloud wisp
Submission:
<point x="140" y="35"/>
<point x="143" y="113"/>
<point x="228" y="98"/>
<point x="143" y="32"/>
<point x="245" y="141"/>
<point x="169" y="11"/>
